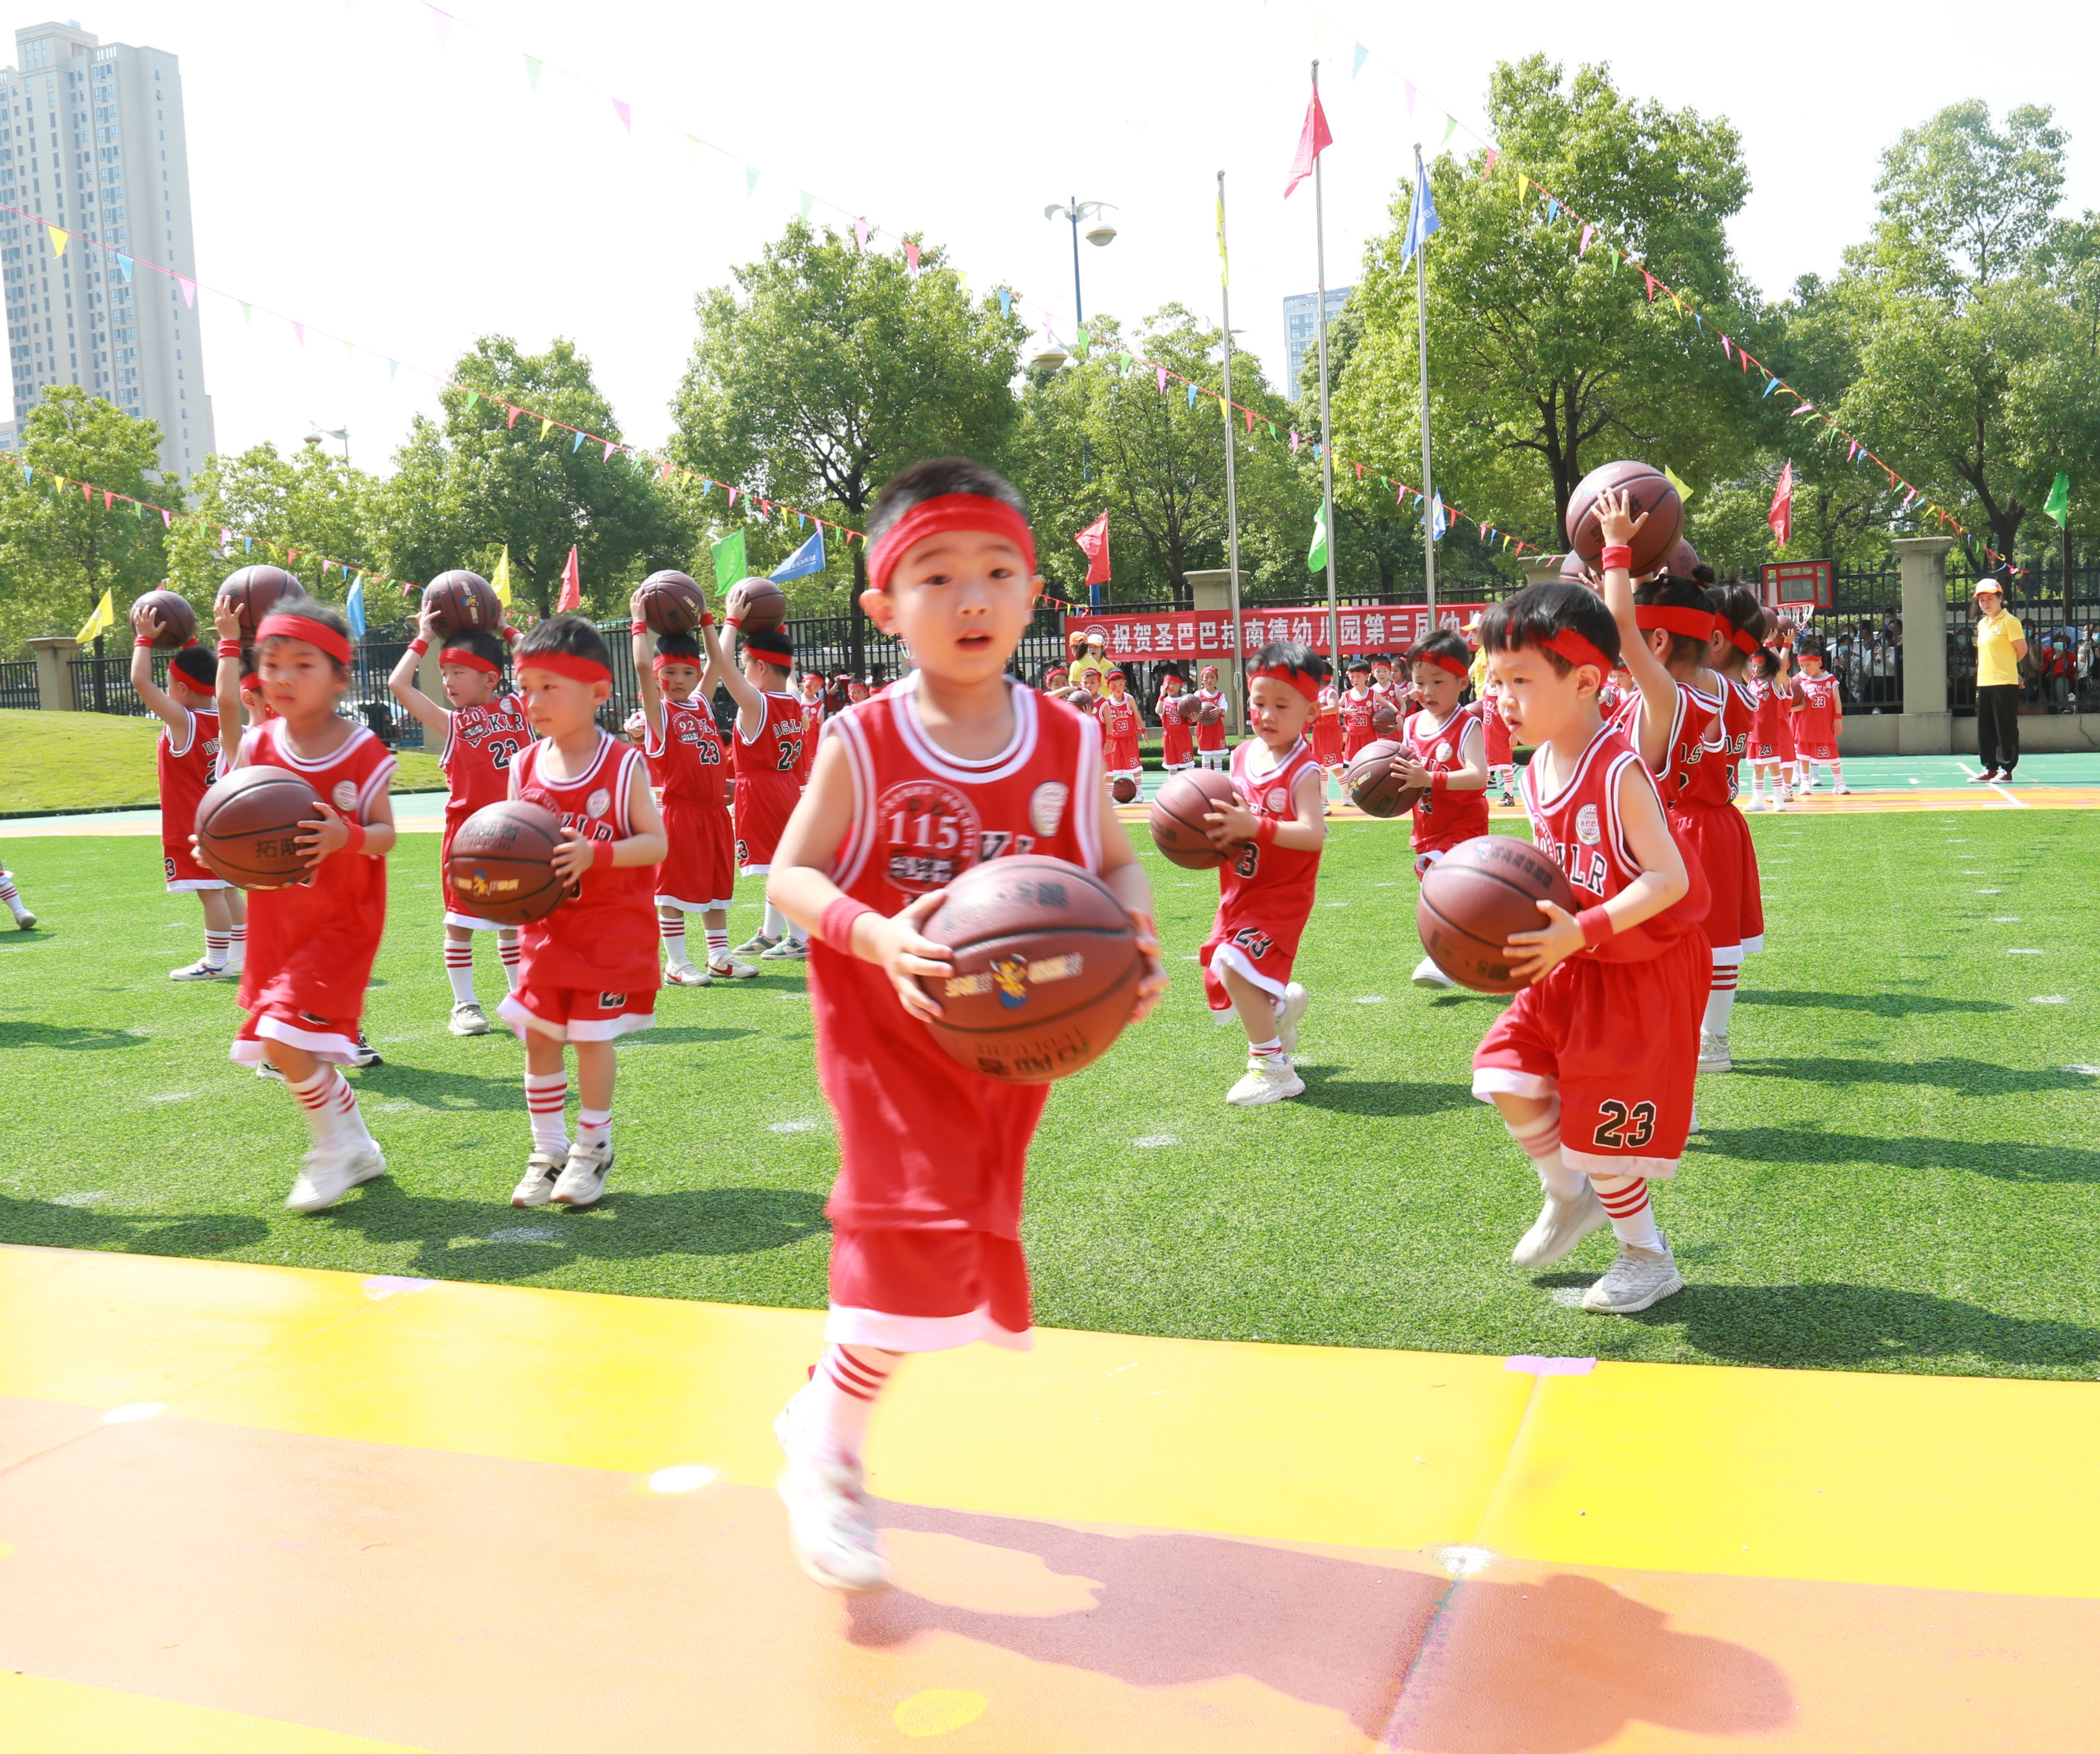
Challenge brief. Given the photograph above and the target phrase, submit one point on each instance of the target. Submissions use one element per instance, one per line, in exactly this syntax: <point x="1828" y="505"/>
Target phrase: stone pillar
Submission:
<point x="54" y="655"/>
<point x="1541" y="569"/>
<point x="1927" y="727"/>
<point x="427" y="678"/>
<point x="1212" y="590"/>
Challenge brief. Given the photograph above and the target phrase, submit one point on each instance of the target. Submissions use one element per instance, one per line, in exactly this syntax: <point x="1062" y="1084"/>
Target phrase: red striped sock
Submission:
<point x="546" y="1096"/>
<point x="833" y="1412"/>
<point x="459" y="969"/>
<point x="317" y="1099"/>
<point x="214" y="949"/>
<point x="672" y="931"/>
<point x="512" y="952"/>
<point x="1633" y="1214"/>
<point x="1721" y="997"/>
<point x="349" y="1117"/>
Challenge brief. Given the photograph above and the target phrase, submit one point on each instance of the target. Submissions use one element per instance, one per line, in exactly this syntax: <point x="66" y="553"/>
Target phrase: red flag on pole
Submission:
<point x="573" y="587"/>
<point x="1311" y="143"/>
<point x="1093" y="543"/>
<point x="1781" y="517"/>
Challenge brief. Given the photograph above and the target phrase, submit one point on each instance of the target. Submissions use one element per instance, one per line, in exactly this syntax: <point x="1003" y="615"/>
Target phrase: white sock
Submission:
<point x="8" y="894"/>
<point x="236" y="946"/>
<point x="594" y="1126"/>
<point x="546" y="1095"/>
<point x="349" y="1117"/>
<point x="718" y="943"/>
<point x="316" y="1097"/>
<point x="1721" y="999"/>
<point x="1836" y="773"/>
<point x="831" y="1411"/>
<point x="776" y="922"/>
<point x="1270" y="1049"/>
<point x="1633" y="1214"/>
<point x="1539" y="1140"/>
<point x="215" y="945"/>
<point x="512" y="952"/>
<point x="674" y="939"/>
<point x="459" y="969"/>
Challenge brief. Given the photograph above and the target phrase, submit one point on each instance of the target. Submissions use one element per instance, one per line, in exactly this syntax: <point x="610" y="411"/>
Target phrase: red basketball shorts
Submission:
<point x="699" y="871"/>
<point x="1818" y="752"/>
<point x="1762" y="753"/>
<point x="577" y="1013"/>
<point x="331" y="1039"/>
<point x="763" y="806"/>
<point x="1259" y="948"/>
<point x="185" y="872"/>
<point x="1326" y="741"/>
<point x="925" y="1290"/>
<point x="1499" y="752"/>
<point x="1619" y="1043"/>
<point x="1717" y="835"/>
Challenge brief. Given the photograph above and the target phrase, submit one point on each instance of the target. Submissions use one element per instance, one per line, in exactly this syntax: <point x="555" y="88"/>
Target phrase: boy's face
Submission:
<point x="1360" y="682"/>
<point x="1812" y="663"/>
<point x="299" y="681"/>
<point x="762" y="674"/>
<point x="1382" y="673"/>
<point x="960" y="600"/>
<point x="1171" y="685"/>
<point x="678" y="681"/>
<point x="1537" y="702"/>
<point x="1118" y="687"/>
<point x="856" y="691"/>
<point x="1090" y="681"/>
<point x="465" y="686"/>
<point x="1439" y="688"/>
<point x="559" y="706"/>
<point x="1276" y="711"/>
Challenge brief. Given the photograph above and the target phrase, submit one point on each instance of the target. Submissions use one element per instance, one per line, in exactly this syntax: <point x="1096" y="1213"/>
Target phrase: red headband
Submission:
<point x="251" y="681"/>
<point x="1578" y="651"/>
<point x="318" y="634"/>
<point x="1695" y="624"/>
<point x="565" y="663"/>
<point x="948" y="512"/>
<point x="473" y="660"/>
<point x="1305" y="685"/>
<point x="1444" y="662"/>
<point x="664" y="659"/>
<point x="1743" y="643"/>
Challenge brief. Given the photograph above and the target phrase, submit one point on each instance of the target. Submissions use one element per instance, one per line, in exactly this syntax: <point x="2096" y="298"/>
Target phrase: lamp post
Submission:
<point x="341" y="434"/>
<point x="1101" y="234"/>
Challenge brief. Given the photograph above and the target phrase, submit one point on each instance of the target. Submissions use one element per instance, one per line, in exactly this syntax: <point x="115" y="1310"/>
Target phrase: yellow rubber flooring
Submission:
<point x="247" y="1508"/>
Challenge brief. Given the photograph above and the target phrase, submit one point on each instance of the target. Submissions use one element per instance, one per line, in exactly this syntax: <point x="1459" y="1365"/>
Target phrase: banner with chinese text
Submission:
<point x="1208" y="633"/>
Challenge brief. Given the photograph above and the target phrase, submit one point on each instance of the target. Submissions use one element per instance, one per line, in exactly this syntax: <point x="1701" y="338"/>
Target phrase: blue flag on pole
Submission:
<point x="353" y="608"/>
<point x="1440" y="520"/>
<point x="807" y="558"/>
<point x="1422" y="218"/>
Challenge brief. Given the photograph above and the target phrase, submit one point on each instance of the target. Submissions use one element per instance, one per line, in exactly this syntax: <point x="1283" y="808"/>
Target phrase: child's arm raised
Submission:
<point x="146" y="626"/>
<point x="645" y="677"/>
<point x="231" y="735"/>
<point x="646" y="843"/>
<point x="1658" y="687"/>
<point x="403" y="681"/>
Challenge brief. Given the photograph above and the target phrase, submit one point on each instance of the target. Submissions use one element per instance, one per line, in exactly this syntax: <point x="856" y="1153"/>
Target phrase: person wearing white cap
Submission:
<point x="2000" y="643"/>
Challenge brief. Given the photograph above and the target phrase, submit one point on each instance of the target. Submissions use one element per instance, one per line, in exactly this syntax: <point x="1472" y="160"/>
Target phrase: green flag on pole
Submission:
<point x="1316" y="557"/>
<point x="729" y="560"/>
<point x="2057" y="505"/>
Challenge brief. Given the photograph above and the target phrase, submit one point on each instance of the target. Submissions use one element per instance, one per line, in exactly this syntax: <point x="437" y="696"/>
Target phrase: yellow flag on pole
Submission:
<point x="103" y="618"/>
<point x="501" y="582"/>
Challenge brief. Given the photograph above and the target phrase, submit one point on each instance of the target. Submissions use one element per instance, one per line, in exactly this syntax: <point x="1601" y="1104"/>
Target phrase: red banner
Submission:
<point x="1208" y="633"/>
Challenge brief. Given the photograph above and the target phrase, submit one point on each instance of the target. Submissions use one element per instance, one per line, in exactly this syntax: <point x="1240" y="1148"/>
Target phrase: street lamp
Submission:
<point x="1100" y="234"/>
<point x="340" y="434"/>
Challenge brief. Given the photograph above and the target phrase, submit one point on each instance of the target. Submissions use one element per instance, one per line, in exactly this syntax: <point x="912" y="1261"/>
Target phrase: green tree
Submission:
<point x="483" y="479"/>
<point x="1546" y="359"/>
<point x="825" y="369"/>
<point x="311" y="505"/>
<point x="60" y="547"/>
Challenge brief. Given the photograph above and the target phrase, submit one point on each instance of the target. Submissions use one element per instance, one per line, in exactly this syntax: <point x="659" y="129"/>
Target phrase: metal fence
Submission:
<point x="18" y="686"/>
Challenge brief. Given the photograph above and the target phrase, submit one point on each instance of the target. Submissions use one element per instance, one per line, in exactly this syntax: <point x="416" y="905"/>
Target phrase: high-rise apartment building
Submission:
<point x="93" y="185"/>
<point x="1301" y="329"/>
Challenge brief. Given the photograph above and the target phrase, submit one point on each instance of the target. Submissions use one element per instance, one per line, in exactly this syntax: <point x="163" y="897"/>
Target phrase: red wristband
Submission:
<point x="229" y="648"/>
<point x="601" y="856"/>
<point x="1619" y="555"/>
<point x="1264" y="831"/>
<point x="141" y="640"/>
<point x="356" y="843"/>
<point x="835" y="928"/>
<point x="638" y="627"/>
<point x="1438" y="782"/>
<point x="1596" y="926"/>
<point x="419" y="645"/>
<point x="707" y="618"/>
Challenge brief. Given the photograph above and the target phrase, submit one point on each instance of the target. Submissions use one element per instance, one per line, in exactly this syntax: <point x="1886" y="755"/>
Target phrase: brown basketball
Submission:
<point x="1649" y="491"/>
<point x="1385" y="721"/>
<point x="756" y="605"/>
<point x="177" y="619"/>
<point x="1046" y="969"/>
<point x="1374" y="783"/>
<point x="1683" y="558"/>
<point x="667" y="603"/>
<point x="247" y="827"/>
<point x="253" y="592"/>
<point x="1123" y="789"/>
<point x="1478" y="894"/>
<point x="501" y="863"/>
<point x="1178" y="809"/>
<point x="1574" y="569"/>
<point x="463" y="602"/>
<point x="1212" y="714"/>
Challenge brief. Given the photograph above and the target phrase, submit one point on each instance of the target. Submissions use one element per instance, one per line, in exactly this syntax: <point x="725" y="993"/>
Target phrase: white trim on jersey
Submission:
<point x="767" y="694"/>
<point x="851" y="859"/>
<point x="189" y="733"/>
<point x="1009" y="761"/>
<point x="1615" y="817"/>
<point x="452" y="743"/>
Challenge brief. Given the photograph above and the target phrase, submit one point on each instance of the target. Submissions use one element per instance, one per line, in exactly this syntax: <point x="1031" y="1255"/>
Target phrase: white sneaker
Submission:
<point x="1841" y="791"/>
<point x="1266" y="1081"/>
<point x="1427" y="974"/>
<point x="1713" y="1054"/>
<point x="1637" y="1280"/>
<point x="468" y="1020"/>
<point x="728" y="968"/>
<point x="332" y="1171"/>
<point x="829" y="1528"/>
<point x="685" y="975"/>
<point x="1561" y="1226"/>
<point x="365" y="1054"/>
<point x="789" y="949"/>
<point x="542" y="1170"/>
<point x="1786" y="794"/>
<point x="1296" y="999"/>
<point x="582" y="1182"/>
<point x="24" y="921"/>
<point x="756" y="945"/>
<point x="199" y="969"/>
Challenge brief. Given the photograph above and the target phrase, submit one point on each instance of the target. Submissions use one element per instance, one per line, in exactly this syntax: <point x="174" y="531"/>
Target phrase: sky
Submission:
<point x="391" y="177"/>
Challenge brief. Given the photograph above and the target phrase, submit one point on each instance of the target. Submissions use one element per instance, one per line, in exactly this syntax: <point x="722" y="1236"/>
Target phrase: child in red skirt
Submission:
<point x="925" y="1239"/>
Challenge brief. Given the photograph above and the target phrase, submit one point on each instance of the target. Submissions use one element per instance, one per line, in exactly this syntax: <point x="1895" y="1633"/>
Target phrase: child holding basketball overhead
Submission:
<point x="955" y="764"/>
<point x="187" y="755"/>
<point x="1713" y="830"/>
<point x="589" y="972"/>
<point x="311" y="945"/>
<point x="1592" y="1065"/>
<point x="1359" y="706"/>
<point x="482" y="730"/>
<point x="1446" y="752"/>
<point x="1177" y="737"/>
<point x="1265" y="894"/>
<point x="769" y="733"/>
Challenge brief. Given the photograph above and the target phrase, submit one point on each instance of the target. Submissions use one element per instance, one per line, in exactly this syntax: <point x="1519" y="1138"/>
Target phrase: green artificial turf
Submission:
<point x="1900" y="1174"/>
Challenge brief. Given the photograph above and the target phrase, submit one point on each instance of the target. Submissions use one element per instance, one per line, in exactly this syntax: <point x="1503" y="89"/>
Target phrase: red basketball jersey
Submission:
<point x="1445" y="820"/>
<point x="1326" y="729"/>
<point x="1211" y="736"/>
<point x="603" y="937"/>
<point x="925" y="1141"/>
<point x="1121" y="722"/>
<point x="480" y="744"/>
<point x="813" y="725"/>
<point x="1272" y="878"/>
<point x="686" y="764"/>
<point x="1177" y="737"/>
<point x="768" y="780"/>
<point x="186" y="773"/>
<point x="1695" y="735"/>
<point x="1815" y="719"/>
<point x="1357" y="711"/>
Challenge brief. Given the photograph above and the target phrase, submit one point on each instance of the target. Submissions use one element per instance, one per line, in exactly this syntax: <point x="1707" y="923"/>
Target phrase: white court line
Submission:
<point x="2018" y="803"/>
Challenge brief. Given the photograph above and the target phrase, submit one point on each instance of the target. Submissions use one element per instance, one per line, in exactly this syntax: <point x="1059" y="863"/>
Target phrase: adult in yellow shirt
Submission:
<point x="2000" y="643"/>
<point x="1090" y="652"/>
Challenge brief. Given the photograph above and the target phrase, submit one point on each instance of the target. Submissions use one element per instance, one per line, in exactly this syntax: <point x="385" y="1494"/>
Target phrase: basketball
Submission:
<point x="1574" y="569"/>
<point x="1384" y="721"/>
<point x="1212" y="714"/>
<point x="1647" y="490"/>
<point x="757" y="605"/>
<point x="1046" y="969"/>
<point x="501" y="863"/>
<point x="667" y="603"/>
<point x="177" y="619"/>
<point x="248" y="826"/>
<point x="253" y="592"/>
<point x="1178" y="809"/>
<point x="1123" y="789"/>
<point x="1478" y="894"/>
<point x="462" y="603"/>
<point x="1375" y="783"/>
<point x="1683" y="558"/>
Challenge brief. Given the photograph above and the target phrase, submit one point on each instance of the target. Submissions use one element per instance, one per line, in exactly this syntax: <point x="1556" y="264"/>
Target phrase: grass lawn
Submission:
<point x="1901" y="1174"/>
<point x="93" y="761"/>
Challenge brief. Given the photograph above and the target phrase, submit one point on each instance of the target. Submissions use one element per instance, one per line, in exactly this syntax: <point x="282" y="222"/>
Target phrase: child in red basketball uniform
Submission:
<point x="770" y="734"/>
<point x="1122" y="723"/>
<point x="481" y="728"/>
<point x="1599" y="1049"/>
<point x="589" y="972"/>
<point x="311" y="944"/>
<point x="813" y="719"/>
<point x="925" y="1244"/>
<point x="1326" y="737"/>
<point x="1210" y="738"/>
<point x="1265" y="894"/>
<point x="1819" y="718"/>
<point x="1177" y="736"/>
<point x="1714" y="831"/>
<point x="186" y="754"/>
<point x="1445" y="749"/>
<point x="684" y="754"/>
<point x="24" y="921"/>
<point x="1359" y="708"/>
<point x="1771" y="705"/>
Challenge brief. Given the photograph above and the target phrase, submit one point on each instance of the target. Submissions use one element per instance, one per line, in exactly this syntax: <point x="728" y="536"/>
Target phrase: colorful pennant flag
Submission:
<point x="1313" y="140"/>
<point x="572" y="585"/>
<point x="1093" y="543"/>
<point x="104" y="617"/>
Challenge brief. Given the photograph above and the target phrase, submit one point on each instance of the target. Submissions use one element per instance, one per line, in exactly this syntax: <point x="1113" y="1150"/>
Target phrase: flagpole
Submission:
<point x="1231" y="490"/>
<point x="1422" y="322"/>
<point x="1327" y="435"/>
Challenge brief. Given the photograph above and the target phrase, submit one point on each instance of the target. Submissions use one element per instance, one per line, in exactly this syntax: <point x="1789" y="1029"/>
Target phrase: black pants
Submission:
<point x="1998" y="726"/>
